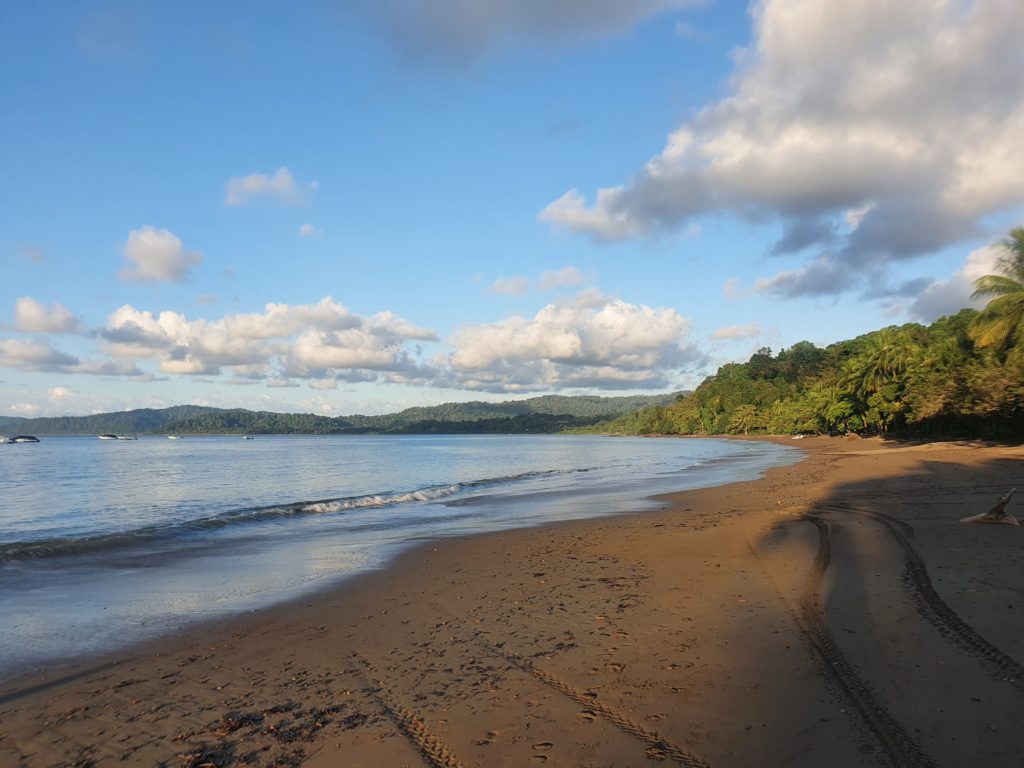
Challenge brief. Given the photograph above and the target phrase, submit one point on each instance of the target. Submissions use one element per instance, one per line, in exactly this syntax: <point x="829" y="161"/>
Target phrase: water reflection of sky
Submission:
<point x="55" y="607"/>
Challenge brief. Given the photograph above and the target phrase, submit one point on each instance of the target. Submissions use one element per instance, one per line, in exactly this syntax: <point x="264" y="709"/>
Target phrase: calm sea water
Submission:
<point x="104" y="543"/>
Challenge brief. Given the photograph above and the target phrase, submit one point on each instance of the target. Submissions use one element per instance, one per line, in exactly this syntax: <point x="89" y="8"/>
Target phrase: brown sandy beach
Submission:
<point x="834" y="613"/>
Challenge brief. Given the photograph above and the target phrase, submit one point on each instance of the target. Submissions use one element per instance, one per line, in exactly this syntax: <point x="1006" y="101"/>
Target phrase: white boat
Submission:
<point x="24" y="439"/>
<point x="174" y="437"/>
<point x="108" y="437"/>
<point x="5" y="439"/>
<point x="247" y="437"/>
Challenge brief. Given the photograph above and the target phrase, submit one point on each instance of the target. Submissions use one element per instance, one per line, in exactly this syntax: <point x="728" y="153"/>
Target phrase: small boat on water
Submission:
<point x="108" y="437"/>
<point x="127" y="437"/>
<point x="5" y="439"/>
<point x="174" y="437"/>
<point x="247" y="437"/>
<point x="24" y="439"/>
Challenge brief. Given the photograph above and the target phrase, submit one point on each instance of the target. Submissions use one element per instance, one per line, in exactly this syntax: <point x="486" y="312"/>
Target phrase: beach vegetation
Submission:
<point x="1000" y="326"/>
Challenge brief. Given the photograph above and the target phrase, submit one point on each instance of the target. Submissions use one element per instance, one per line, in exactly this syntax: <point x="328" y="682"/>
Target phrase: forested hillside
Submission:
<point x="552" y="413"/>
<point x="122" y="422"/>
<point x="911" y="380"/>
<point x="537" y="414"/>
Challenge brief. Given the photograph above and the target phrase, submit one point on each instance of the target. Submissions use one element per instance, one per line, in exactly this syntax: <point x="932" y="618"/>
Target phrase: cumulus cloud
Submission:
<point x="560" y="278"/>
<point x="946" y="297"/>
<point x="157" y="254"/>
<point x="736" y="332"/>
<point x="281" y="187"/>
<point x="872" y="132"/>
<point x="594" y="342"/>
<point x="510" y="286"/>
<point x="460" y="31"/>
<point x="34" y="317"/>
<point x="33" y="355"/>
<point x="39" y="356"/>
<point x="282" y="342"/>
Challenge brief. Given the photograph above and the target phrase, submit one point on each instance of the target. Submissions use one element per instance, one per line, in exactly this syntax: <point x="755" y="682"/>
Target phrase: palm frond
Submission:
<point x="995" y="285"/>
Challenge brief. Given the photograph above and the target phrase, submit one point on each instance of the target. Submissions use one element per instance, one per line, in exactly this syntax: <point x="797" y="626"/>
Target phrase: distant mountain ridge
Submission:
<point x="549" y="413"/>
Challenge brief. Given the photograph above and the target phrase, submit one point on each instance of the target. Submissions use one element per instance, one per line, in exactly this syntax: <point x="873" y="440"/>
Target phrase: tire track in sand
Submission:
<point x="430" y="747"/>
<point x="901" y="749"/>
<point x="658" y="747"/>
<point x="934" y="609"/>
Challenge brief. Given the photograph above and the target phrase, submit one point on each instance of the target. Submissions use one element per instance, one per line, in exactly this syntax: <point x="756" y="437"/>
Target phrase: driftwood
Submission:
<point x="997" y="514"/>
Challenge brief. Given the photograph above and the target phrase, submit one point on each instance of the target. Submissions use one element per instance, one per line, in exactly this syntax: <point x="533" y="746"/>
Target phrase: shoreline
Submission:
<point x="496" y="642"/>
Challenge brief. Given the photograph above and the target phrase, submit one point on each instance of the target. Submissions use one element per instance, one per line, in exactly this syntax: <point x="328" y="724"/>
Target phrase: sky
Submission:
<point x="358" y="206"/>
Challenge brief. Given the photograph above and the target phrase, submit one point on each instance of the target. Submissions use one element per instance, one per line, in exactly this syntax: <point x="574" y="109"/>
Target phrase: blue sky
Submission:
<point x="356" y="207"/>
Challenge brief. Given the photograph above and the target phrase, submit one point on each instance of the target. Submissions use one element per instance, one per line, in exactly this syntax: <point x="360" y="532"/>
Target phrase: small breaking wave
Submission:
<point x="37" y="549"/>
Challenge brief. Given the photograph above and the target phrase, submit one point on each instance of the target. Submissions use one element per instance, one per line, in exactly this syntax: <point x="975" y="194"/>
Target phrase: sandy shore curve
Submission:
<point x="834" y="612"/>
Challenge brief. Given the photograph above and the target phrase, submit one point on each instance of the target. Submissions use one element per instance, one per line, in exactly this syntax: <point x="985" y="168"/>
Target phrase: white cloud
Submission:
<point x="310" y="230"/>
<point x="735" y="332"/>
<point x="605" y="343"/>
<point x="157" y="254"/>
<point x="281" y="343"/>
<point x="33" y="317"/>
<point x="460" y="31"/>
<point x="323" y="384"/>
<point x="38" y="355"/>
<point x="901" y="122"/>
<point x="510" y="286"/>
<point x="560" y="278"/>
<point x="946" y="297"/>
<point x="604" y="220"/>
<point x="281" y="186"/>
<point x="33" y="355"/>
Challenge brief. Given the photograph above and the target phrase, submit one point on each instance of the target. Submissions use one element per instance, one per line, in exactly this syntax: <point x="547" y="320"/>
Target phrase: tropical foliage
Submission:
<point x="910" y="380"/>
<point x="1000" y="326"/>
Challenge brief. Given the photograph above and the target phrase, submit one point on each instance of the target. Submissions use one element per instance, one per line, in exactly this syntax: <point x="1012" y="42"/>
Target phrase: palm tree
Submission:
<point x="886" y="356"/>
<point x="1001" y="324"/>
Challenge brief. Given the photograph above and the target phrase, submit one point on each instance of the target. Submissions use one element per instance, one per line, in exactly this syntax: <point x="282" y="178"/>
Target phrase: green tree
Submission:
<point x="1000" y="326"/>
<point x="746" y="418"/>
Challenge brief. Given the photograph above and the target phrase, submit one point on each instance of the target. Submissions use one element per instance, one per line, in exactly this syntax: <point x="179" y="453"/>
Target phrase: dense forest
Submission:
<point x="911" y="380"/>
<point x="552" y="413"/>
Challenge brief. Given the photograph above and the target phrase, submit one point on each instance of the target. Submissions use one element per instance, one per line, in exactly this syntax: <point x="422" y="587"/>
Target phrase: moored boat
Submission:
<point x="174" y="437"/>
<point x="24" y="439"/>
<point x="108" y="437"/>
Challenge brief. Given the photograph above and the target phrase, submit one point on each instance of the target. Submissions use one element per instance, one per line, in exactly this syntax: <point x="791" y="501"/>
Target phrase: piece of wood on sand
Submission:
<point x="997" y="514"/>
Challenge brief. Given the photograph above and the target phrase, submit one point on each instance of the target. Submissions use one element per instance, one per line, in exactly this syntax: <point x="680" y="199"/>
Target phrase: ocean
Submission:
<point x="106" y="543"/>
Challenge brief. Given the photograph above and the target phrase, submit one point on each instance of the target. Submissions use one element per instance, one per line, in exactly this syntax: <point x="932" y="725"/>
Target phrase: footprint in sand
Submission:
<point x="541" y="758"/>
<point x="586" y="716"/>
<point x="614" y="667"/>
<point x="656" y="753"/>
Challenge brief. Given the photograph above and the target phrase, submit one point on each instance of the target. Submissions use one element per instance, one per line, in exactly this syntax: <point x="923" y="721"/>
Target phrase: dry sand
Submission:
<point x="834" y="613"/>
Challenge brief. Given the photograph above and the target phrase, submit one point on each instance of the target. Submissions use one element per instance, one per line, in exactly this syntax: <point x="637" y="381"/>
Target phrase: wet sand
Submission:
<point x="833" y="613"/>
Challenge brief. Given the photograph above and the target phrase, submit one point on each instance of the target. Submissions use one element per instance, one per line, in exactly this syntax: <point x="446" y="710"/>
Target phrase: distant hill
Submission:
<point x="551" y="413"/>
<point x="122" y="422"/>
